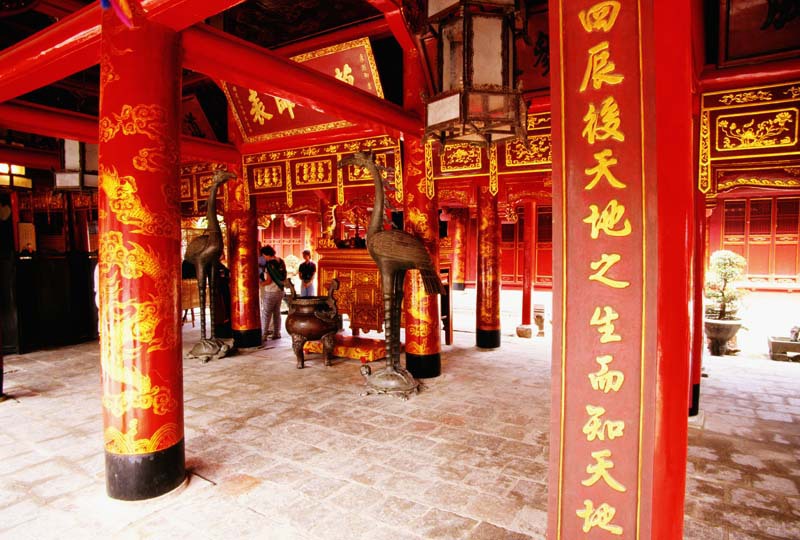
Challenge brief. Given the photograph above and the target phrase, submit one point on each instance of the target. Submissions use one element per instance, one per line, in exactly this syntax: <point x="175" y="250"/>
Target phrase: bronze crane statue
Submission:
<point x="204" y="252"/>
<point x="395" y="252"/>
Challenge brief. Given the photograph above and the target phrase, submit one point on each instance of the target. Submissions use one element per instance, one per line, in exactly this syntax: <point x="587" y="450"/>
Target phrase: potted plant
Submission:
<point x="721" y="320"/>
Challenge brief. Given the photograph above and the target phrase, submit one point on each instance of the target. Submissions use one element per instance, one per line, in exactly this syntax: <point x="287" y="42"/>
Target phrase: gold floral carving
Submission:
<point x="126" y="443"/>
<point x="398" y="173"/>
<point x="704" y="174"/>
<point x="453" y="195"/>
<point x="339" y="194"/>
<point x="186" y="188"/>
<point x="760" y="182"/>
<point x="429" y="189"/>
<point x="746" y="97"/>
<point x="494" y="182"/>
<point x="764" y="134"/>
<point x="289" y="188"/>
<point x="459" y="157"/>
<point x="313" y="172"/>
<point x="538" y="151"/>
<point x="538" y="121"/>
<point x="126" y="206"/>
<point x="794" y="92"/>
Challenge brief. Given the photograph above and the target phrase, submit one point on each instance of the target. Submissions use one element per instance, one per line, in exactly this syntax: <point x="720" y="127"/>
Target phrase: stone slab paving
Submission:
<point x="280" y="453"/>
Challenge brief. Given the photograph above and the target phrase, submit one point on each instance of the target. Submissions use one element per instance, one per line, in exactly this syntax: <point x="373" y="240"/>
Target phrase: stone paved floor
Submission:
<point x="280" y="453"/>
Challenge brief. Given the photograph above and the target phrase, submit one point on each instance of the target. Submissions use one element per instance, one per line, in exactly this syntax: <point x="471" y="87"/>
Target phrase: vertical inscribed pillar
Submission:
<point x="622" y="179"/>
<point x="139" y="258"/>
<point x="458" y="270"/>
<point x="487" y="324"/>
<point x="423" y="328"/>
<point x="243" y="245"/>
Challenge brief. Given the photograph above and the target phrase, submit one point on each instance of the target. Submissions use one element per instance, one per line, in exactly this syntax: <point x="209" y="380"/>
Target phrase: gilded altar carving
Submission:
<point x="494" y="180"/>
<point x="745" y="131"/>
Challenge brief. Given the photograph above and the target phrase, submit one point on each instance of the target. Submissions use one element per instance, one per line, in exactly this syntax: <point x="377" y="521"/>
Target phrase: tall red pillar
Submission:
<point x="139" y="258"/>
<point x="243" y="256"/>
<point x="458" y="268"/>
<point x="623" y="188"/>
<point x="421" y="218"/>
<point x="487" y="316"/>
<point x="528" y="262"/>
<point x="698" y="279"/>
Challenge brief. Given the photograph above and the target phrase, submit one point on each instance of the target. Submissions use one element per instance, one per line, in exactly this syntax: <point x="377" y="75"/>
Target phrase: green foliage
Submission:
<point x="725" y="269"/>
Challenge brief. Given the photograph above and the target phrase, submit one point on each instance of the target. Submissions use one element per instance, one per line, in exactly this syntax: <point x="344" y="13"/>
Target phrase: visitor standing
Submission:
<point x="271" y="289"/>
<point x="306" y="271"/>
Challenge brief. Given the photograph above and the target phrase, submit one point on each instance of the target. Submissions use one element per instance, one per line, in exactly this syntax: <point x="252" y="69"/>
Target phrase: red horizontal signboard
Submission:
<point x="262" y="117"/>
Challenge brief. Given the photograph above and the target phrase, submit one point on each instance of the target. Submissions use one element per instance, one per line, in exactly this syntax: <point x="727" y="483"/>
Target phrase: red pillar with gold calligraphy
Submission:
<point x="458" y="267"/>
<point x="243" y="245"/>
<point x="487" y="321"/>
<point x="622" y="177"/>
<point x="423" y="329"/>
<point x="139" y="258"/>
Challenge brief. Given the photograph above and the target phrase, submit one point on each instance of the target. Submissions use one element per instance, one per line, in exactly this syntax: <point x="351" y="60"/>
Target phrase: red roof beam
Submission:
<point x="63" y="124"/>
<point x="73" y="44"/>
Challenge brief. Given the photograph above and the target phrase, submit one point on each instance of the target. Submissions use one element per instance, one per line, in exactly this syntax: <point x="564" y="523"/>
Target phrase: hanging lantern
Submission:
<point x="477" y="99"/>
<point x="80" y="166"/>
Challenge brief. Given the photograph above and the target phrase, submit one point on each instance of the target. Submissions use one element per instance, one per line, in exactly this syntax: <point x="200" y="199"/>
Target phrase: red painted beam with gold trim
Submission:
<point x="744" y="76"/>
<point x="63" y="124"/>
<point x="210" y="51"/>
<point x="73" y="44"/>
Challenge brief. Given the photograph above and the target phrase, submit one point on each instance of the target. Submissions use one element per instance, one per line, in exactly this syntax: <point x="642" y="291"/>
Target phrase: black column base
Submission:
<point x="487" y="339"/>
<point x="694" y="410"/>
<point x="247" y="339"/>
<point x="134" y="477"/>
<point x="458" y="286"/>
<point x="424" y="366"/>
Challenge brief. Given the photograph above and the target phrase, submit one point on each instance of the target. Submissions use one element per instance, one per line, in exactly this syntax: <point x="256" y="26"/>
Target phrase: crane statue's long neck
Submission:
<point x="211" y="214"/>
<point x="376" y="220"/>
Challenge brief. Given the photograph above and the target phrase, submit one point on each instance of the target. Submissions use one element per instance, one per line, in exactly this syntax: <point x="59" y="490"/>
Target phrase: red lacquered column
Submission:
<point x="487" y="327"/>
<point x="243" y="243"/>
<point x="528" y="262"/>
<point x="623" y="173"/>
<point x="423" y="328"/>
<point x="698" y="279"/>
<point x="458" y="270"/>
<point x="139" y="258"/>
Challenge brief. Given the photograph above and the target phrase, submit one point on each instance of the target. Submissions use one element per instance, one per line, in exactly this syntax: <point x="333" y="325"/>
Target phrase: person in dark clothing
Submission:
<point x="306" y="271"/>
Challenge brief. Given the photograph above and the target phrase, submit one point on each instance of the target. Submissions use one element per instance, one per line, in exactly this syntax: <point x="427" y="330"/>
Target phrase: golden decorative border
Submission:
<point x="704" y="167"/>
<point x="494" y="181"/>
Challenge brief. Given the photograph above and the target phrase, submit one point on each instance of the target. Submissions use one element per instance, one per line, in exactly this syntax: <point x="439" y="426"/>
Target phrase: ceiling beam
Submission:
<point x="73" y="44"/>
<point x="211" y="52"/>
<point x="29" y="157"/>
<point x="61" y="124"/>
<point x="373" y="28"/>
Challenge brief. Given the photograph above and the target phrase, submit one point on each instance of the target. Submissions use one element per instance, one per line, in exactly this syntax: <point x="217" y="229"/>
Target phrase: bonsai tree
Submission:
<point x="725" y="269"/>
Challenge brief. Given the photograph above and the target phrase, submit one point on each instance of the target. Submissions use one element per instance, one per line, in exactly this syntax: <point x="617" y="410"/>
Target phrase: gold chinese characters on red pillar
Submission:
<point x="597" y="454"/>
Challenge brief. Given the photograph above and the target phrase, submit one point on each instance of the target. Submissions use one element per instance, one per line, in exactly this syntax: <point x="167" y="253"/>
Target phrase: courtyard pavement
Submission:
<point x="279" y="453"/>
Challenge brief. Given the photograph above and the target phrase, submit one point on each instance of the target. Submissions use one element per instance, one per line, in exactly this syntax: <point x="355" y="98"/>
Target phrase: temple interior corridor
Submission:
<point x="279" y="453"/>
